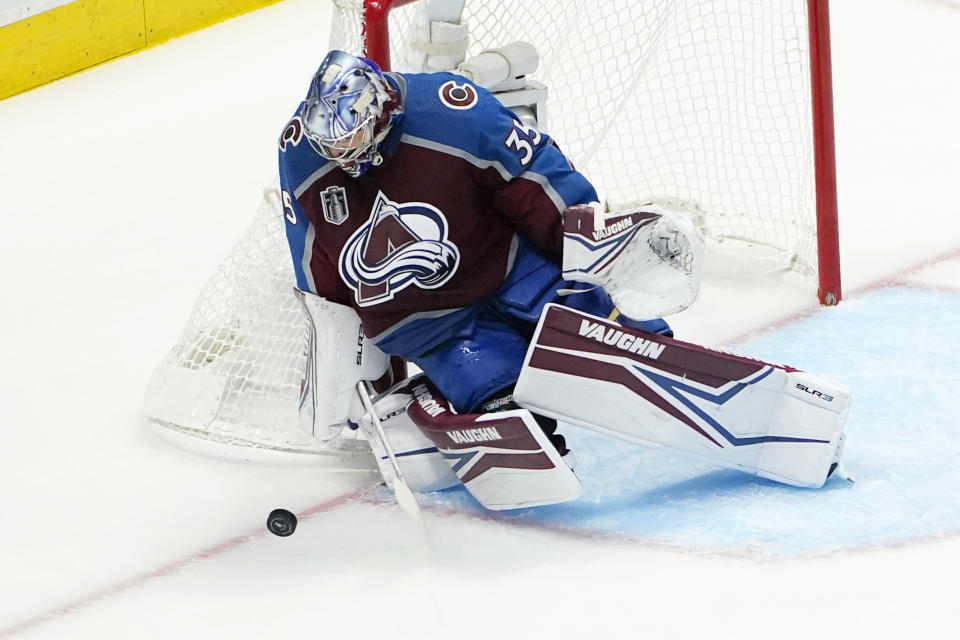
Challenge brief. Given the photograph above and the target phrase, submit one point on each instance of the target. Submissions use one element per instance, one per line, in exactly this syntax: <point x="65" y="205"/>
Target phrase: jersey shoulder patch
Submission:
<point x="292" y="133"/>
<point x="459" y="96"/>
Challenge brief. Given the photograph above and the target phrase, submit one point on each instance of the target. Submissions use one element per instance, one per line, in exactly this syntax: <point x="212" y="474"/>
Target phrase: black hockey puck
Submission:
<point x="281" y="523"/>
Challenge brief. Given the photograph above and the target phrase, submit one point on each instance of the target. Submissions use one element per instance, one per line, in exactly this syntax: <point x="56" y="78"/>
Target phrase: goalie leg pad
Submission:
<point x="772" y="421"/>
<point x="423" y="467"/>
<point x="503" y="459"/>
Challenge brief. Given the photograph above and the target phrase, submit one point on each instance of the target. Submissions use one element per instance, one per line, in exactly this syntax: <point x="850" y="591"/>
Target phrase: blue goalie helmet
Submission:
<point x="349" y="111"/>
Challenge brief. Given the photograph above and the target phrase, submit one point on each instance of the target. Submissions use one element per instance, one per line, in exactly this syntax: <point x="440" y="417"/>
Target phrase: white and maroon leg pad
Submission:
<point x="423" y="467"/>
<point x="769" y="420"/>
<point x="503" y="459"/>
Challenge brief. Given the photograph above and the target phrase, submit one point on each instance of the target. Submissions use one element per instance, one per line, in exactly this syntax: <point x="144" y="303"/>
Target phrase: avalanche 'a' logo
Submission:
<point x="400" y="245"/>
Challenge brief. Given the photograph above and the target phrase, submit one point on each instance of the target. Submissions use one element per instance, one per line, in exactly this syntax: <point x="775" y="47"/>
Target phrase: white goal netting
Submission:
<point x="234" y="375"/>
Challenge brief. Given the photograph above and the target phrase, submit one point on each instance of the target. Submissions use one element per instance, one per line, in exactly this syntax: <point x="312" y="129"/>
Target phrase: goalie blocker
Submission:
<point x="769" y="420"/>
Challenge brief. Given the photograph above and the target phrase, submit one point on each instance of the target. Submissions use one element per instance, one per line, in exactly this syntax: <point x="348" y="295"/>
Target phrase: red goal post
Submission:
<point x="728" y="103"/>
<point x="825" y="155"/>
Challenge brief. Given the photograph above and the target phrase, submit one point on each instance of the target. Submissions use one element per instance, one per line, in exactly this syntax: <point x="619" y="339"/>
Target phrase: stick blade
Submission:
<point x="406" y="500"/>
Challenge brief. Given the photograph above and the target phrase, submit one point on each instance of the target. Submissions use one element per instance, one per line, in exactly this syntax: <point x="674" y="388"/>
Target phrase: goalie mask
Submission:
<point x="348" y="112"/>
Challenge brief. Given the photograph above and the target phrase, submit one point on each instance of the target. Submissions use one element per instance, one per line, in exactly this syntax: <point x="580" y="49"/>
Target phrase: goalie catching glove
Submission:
<point x="648" y="260"/>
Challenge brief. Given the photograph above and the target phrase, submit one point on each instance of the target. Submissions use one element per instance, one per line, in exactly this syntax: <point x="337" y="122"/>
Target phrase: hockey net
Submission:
<point x="709" y="101"/>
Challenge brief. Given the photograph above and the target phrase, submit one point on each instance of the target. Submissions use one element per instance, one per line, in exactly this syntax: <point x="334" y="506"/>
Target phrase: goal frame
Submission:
<point x="376" y="43"/>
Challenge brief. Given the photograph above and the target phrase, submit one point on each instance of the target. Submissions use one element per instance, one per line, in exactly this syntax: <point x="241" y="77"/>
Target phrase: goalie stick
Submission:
<point x="401" y="491"/>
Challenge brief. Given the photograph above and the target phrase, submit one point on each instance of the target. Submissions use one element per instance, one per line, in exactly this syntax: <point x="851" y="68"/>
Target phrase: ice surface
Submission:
<point x="122" y="188"/>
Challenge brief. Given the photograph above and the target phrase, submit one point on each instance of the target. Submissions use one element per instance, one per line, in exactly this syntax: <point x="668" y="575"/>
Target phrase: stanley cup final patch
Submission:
<point x="334" y="201"/>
